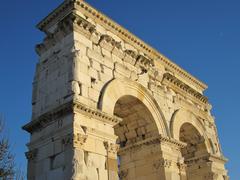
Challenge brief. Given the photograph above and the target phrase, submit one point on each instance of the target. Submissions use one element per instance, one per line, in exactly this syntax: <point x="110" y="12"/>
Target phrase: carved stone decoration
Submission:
<point x="83" y="26"/>
<point x="32" y="154"/>
<point x="111" y="148"/>
<point x="131" y="57"/>
<point x="74" y="140"/>
<point x="144" y="62"/>
<point x="107" y="42"/>
<point x="162" y="163"/>
<point x="75" y="168"/>
<point x="182" y="167"/>
<point x="67" y="25"/>
<point x="79" y="140"/>
<point x="97" y="86"/>
<point x="175" y="83"/>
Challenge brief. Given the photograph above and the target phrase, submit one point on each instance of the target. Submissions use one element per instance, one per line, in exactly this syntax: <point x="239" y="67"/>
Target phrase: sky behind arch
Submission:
<point x="200" y="36"/>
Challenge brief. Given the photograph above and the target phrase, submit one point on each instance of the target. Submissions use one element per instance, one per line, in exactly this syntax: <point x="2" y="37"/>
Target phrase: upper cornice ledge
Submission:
<point x="69" y="5"/>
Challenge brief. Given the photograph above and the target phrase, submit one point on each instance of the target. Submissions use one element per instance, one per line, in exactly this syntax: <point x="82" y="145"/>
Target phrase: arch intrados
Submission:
<point x="118" y="88"/>
<point x="181" y="117"/>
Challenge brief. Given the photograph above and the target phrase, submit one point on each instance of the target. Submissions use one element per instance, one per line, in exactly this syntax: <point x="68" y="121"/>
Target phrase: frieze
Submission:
<point x="173" y="82"/>
<point x="87" y="10"/>
<point x="95" y="113"/>
<point x="154" y="140"/>
<point x="144" y="62"/>
<point x="51" y="116"/>
<point x="48" y="118"/>
<point x="66" y="26"/>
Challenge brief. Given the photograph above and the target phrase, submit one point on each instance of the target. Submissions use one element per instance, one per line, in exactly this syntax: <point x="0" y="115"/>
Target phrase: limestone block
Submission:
<point x="95" y="56"/>
<point x="106" y="70"/>
<point x="108" y="62"/>
<point x="144" y="80"/>
<point x="101" y="29"/>
<point x="105" y="77"/>
<point x="118" y="53"/>
<point x="106" y="53"/>
<point x="80" y="48"/>
<point x="116" y="58"/>
<point x="83" y="78"/>
<point x="95" y="65"/>
<point x="103" y="174"/>
<point x="95" y="37"/>
<point x="84" y="59"/>
<point x="130" y="47"/>
<point x="121" y="69"/>
<point x="81" y="38"/>
<point x="131" y="134"/>
<point x="98" y="85"/>
<point x="115" y="37"/>
<point x="57" y="161"/>
<point x="93" y="73"/>
<point x="84" y="90"/>
<point x="93" y="94"/>
<point x="97" y="48"/>
<point x="58" y="146"/>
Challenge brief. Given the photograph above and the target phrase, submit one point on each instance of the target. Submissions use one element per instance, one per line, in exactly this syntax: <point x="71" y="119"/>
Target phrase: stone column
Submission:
<point x="111" y="160"/>
<point x="171" y="165"/>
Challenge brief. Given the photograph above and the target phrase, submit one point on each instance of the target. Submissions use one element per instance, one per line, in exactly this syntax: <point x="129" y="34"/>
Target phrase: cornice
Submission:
<point x="71" y="107"/>
<point x="69" y="5"/>
<point x="175" y="83"/>
<point x="206" y="158"/>
<point x="95" y="113"/>
<point x="48" y="118"/>
<point x="154" y="140"/>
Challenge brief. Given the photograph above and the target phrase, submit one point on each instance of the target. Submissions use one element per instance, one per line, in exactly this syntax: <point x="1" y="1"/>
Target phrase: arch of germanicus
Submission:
<point x="107" y="106"/>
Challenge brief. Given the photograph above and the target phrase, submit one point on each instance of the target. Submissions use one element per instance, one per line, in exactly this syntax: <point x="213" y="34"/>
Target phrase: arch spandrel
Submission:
<point x="182" y="117"/>
<point x="118" y="88"/>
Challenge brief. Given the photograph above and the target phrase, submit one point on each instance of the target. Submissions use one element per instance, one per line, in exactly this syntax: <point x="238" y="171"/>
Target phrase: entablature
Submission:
<point x="70" y="107"/>
<point x="78" y="5"/>
<point x="184" y="89"/>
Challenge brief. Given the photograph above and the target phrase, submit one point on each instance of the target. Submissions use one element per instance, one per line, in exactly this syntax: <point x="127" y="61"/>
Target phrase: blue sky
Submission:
<point x="203" y="37"/>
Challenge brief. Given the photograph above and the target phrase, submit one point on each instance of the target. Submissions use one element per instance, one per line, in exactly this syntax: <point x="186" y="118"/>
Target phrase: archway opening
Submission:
<point x="137" y="126"/>
<point x="195" y="153"/>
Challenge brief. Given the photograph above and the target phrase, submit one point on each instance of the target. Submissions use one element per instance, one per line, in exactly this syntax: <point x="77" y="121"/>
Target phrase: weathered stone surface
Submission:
<point x="108" y="106"/>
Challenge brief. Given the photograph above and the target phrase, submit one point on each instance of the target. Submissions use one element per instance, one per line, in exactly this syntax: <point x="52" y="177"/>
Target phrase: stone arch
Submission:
<point x="182" y="117"/>
<point x="118" y="88"/>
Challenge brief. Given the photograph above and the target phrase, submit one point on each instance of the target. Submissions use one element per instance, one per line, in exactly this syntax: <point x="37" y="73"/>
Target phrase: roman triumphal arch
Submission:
<point x="107" y="106"/>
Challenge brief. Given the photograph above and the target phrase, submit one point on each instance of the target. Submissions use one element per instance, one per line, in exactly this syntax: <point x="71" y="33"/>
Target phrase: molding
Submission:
<point x="175" y="83"/>
<point x="154" y="140"/>
<point x="206" y="158"/>
<point x="70" y="107"/>
<point x="47" y="118"/>
<point x="95" y="113"/>
<point x="70" y="5"/>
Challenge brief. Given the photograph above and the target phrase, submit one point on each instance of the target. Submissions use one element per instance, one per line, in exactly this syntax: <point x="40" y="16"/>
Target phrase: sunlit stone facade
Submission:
<point x="107" y="106"/>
